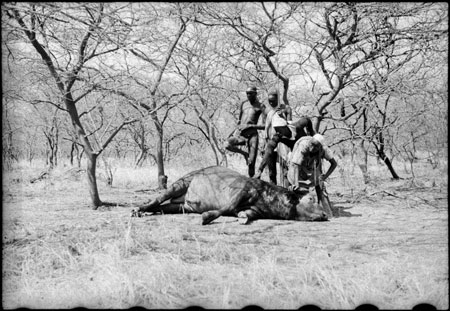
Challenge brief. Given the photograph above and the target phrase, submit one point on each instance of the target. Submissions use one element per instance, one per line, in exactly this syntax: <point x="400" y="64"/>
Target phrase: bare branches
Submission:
<point x="355" y="68"/>
<point x="113" y="134"/>
<point x="39" y="48"/>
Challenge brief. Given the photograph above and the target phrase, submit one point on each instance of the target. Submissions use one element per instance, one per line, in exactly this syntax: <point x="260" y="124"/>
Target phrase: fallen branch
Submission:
<point x="387" y="192"/>
<point x="404" y="198"/>
<point x="41" y="176"/>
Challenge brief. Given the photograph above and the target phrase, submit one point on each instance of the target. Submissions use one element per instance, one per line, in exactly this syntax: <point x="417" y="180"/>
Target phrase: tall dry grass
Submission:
<point x="122" y="269"/>
<point x="58" y="253"/>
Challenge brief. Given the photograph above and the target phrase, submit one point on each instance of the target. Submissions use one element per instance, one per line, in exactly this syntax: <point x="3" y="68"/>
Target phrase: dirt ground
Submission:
<point x="405" y="225"/>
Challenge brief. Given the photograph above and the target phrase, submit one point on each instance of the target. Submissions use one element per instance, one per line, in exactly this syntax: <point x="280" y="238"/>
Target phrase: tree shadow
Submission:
<point x="339" y="211"/>
<point x="107" y="206"/>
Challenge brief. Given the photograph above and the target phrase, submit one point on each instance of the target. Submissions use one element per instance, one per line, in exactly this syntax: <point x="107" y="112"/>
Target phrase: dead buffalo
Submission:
<point x="215" y="191"/>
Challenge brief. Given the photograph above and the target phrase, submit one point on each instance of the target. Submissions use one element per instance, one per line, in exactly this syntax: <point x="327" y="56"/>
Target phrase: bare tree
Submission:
<point x="259" y="29"/>
<point x="9" y="152"/>
<point x="357" y="48"/>
<point x="51" y="131"/>
<point x="147" y="62"/>
<point x="211" y="85"/>
<point x="67" y="37"/>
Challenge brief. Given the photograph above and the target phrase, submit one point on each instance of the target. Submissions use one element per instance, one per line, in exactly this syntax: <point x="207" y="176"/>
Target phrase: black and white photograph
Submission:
<point x="225" y="155"/>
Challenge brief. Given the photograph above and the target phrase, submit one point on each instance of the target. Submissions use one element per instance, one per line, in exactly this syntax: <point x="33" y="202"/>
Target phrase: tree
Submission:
<point x="354" y="43"/>
<point x="147" y="68"/>
<point x="67" y="38"/>
<point x="211" y="87"/>
<point x="259" y="31"/>
<point x="9" y="128"/>
<point x="364" y="72"/>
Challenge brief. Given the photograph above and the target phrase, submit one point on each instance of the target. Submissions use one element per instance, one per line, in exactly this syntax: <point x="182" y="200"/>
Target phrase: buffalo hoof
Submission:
<point x="209" y="216"/>
<point x="135" y="213"/>
<point x="242" y="218"/>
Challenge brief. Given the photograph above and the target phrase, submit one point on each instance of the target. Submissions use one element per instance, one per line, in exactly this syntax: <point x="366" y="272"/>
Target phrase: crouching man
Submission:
<point x="305" y="168"/>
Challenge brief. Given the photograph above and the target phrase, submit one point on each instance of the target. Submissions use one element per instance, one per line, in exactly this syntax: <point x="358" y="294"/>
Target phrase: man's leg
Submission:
<point x="268" y="154"/>
<point x="283" y="172"/>
<point x="272" y="167"/>
<point x="234" y="141"/>
<point x="252" y="153"/>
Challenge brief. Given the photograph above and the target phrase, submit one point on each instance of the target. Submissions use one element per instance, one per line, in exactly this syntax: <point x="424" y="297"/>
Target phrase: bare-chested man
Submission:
<point x="280" y="128"/>
<point x="247" y="129"/>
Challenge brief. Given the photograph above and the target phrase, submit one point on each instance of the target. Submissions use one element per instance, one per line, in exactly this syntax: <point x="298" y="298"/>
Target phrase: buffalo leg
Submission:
<point x="177" y="190"/>
<point x="246" y="216"/>
<point x="171" y="208"/>
<point x="209" y="216"/>
<point x="167" y="208"/>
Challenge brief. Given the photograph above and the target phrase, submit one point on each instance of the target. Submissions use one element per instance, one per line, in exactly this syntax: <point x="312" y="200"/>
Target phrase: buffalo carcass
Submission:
<point x="219" y="191"/>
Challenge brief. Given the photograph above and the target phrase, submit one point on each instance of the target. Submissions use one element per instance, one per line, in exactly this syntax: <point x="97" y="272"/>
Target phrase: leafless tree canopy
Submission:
<point x="160" y="81"/>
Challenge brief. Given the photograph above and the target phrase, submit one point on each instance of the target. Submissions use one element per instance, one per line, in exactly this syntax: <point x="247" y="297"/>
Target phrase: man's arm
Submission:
<point x="254" y="126"/>
<point x="331" y="169"/>
<point x="293" y="170"/>
<point x="309" y="127"/>
<point x="285" y="112"/>
<point x="288" y="113"/>
<point x="241" y="111"/>
<point x="238" y="126"/>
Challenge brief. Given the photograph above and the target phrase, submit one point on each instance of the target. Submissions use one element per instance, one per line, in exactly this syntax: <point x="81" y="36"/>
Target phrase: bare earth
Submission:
<point x="389" y="249"/>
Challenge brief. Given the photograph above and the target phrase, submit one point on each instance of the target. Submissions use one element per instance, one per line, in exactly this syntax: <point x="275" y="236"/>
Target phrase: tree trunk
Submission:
<point x="108" y="172"/>
<point x="52" y="156"/>
<point x="362" y="161"/>
<point x="380" y="151"/>
<point x="92" y="180"/>
<point x="30" y="154"/>
<point x="65" y="90"/>
<point x="72" y="149"/>
<point x="55" y="154"/>
<point x="141" y="157"/>
<point x="91" y="155"/>
<point x="223" y="159"/>
<point x="160" y="163"/>
<point x="214" y="149"/>
<point x="159" y="154"/>
<point x="79" y="156"/>
<point x="388" y="163"/>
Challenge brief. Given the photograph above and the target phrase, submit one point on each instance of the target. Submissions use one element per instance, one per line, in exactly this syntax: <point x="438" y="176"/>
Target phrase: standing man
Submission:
<point x="246" y="132"/>
<point x="280" y="128"/>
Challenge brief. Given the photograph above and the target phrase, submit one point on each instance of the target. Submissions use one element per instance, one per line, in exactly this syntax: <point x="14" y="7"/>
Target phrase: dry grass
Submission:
<point x="58" y="253"/>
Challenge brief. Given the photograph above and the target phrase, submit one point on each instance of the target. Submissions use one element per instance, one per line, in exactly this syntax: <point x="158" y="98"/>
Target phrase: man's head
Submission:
<point x="273" y="98"/>
<point x="320" y="139"/>
<point x="315" y="144"/>
<point x="251" y="93"/>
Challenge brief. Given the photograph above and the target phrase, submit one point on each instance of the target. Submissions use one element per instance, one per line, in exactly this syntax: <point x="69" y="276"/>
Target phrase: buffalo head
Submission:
<point x="309" y="210"/>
